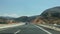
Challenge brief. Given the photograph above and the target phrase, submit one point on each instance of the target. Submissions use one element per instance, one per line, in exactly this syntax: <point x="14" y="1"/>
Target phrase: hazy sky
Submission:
<point x="17" y="8"/>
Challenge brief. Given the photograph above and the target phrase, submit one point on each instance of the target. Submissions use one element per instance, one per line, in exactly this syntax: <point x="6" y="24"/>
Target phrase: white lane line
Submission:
<point x="17" y="31"/>
<point x="43" y="29"/>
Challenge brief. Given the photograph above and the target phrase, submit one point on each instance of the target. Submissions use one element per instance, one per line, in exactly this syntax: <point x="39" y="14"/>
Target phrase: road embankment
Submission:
<point x="50" y="27"/>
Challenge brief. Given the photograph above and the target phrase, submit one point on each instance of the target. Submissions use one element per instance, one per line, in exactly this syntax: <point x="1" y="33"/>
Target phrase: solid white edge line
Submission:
<point x="43" y="29"/>
<point x="17" y="31"/>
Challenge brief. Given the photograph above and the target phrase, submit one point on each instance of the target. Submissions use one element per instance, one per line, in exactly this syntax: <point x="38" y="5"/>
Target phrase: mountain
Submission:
<point x="22" y="19"/>
<point x="32" y="18"/>
<point x="26" y="18"/>
<point x="7" y="17"/>
<point x="49" y="16"/>
<point x="6" y="20"/>
<point x="52" y="12"/>
<point x="52" y="15"/>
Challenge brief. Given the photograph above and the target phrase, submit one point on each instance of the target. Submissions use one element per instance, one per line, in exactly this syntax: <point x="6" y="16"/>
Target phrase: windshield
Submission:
<point x="29" y="16"/>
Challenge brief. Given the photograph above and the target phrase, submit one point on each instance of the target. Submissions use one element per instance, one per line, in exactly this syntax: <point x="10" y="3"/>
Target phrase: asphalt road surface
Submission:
<point x="28" y="29"/>
<point x="51" y="30"/>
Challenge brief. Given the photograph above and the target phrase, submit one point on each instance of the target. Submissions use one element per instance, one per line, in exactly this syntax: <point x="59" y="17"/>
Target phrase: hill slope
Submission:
<point x="52" y="15"/>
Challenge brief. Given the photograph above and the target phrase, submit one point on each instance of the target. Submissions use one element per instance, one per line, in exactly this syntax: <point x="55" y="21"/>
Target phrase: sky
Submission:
<point x="17" y="8"/>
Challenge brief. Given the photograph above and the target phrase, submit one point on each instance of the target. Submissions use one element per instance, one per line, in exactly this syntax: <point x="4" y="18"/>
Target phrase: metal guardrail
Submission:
<point x="51" y="27"/>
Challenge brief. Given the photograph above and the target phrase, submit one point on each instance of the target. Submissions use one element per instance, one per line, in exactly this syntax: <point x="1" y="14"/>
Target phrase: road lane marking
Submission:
<point x="17" y="31"/>
<point x="43" y="29"/>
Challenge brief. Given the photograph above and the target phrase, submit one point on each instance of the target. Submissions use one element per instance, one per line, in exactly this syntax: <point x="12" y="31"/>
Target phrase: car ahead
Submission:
<point x="26" y="23"/>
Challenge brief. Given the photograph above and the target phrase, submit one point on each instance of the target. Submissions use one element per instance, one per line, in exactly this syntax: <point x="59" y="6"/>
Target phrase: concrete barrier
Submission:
<point x="51" y="27"/>
<point x="11" y="25"/>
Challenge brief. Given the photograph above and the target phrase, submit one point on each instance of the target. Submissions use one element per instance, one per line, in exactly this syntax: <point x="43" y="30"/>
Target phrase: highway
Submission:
<point x="51" y="30"/>
<point x="28" y="29"/>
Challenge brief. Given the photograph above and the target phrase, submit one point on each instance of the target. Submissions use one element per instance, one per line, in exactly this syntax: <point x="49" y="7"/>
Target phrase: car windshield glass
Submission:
<point x="29" y="16"/>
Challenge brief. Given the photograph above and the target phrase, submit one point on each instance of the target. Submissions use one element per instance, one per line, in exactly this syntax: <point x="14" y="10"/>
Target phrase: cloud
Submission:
<point x="10" y="15"/>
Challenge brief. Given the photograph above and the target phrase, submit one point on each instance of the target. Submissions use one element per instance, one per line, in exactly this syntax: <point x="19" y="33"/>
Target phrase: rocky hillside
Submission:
<point x="52" y="12"/>
<point x="51" y="15"/>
